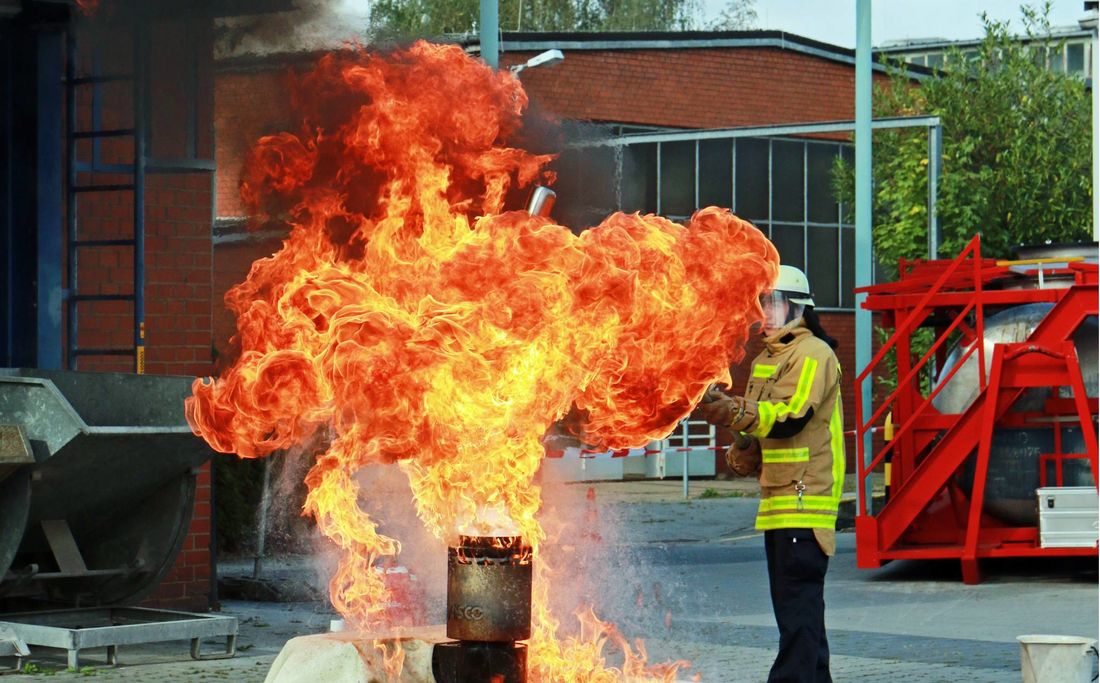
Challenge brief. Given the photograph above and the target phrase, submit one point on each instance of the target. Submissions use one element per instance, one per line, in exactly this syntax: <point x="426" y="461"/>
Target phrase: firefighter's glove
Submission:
<point x="743" y="455"/>
<point x="733" y="412"/>
<point x="716" y="408"/>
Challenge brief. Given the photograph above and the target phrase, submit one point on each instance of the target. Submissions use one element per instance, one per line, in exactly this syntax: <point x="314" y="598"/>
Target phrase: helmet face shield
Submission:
<point x="778" y="310"/>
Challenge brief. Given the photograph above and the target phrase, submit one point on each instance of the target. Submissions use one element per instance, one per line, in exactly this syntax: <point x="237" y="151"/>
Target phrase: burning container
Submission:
<point x="97" y="510"/>
<point x="488" y="610"/>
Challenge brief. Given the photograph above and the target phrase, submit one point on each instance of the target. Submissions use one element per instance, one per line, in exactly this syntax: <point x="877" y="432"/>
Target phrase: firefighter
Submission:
<point x="789" y="428"/>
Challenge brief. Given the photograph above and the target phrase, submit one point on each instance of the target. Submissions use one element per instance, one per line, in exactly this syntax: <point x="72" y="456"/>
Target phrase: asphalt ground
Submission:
<point x="689" y="577"/>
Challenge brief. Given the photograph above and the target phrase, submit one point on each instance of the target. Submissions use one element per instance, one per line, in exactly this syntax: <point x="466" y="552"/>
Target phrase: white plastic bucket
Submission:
<point x="1055" y="659"/>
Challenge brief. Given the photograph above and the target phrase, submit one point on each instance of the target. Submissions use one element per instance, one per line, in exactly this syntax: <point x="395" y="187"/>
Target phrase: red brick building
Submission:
<point x="106" y="203"/>
<point x="627" y="86"/>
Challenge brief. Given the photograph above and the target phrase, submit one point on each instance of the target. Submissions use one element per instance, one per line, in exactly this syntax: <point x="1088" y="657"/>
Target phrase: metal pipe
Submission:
<point x="778" y="130"/>
<point x="489" y="30"/>
<point x="70" y="200"/>
<point x="863" y="239"/>
<point x="687" y="429"/>
<point x="140" y="128"/>
<point x="542" y="201"/>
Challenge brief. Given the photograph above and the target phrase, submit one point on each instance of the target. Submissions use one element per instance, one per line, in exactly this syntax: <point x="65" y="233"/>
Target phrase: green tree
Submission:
<point x="438" y="17"/>
<point x="737" y="15"/>
<point x="1016" y="151"/>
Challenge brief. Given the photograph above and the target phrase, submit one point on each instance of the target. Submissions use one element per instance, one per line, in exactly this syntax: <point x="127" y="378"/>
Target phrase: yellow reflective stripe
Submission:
<point x="770" y="411"/>
<point x="805" y="383"/>
<point x="814" y="503"/>
<point x="786" y="454"/>
<point x="836" y="443"/>
<point x="796" y="520"/>
<point x="765" y="419"/>
<point x="762" y="371"/>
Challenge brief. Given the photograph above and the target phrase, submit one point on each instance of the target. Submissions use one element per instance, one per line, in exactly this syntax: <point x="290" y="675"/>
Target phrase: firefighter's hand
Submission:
<point x="743" y="456"/>
<point x="714" y="393"/>
<point x="717" y="408"/>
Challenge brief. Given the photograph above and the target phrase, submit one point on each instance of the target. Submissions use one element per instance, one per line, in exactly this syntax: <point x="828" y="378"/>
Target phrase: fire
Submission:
<point x="87" y="7"/>
<point x="409" y="319"/>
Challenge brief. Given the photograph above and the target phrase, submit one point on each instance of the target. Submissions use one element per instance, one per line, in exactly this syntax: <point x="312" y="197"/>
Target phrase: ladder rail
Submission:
<point x="138" y="78"/>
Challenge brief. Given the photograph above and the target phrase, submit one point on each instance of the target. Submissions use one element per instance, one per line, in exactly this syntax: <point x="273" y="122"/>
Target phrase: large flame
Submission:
<point x="409" y="319"/>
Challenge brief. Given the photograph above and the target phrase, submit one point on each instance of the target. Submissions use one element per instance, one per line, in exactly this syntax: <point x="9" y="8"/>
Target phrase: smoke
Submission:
<point x="596" y="563"/>
<point x="313" y="25"/>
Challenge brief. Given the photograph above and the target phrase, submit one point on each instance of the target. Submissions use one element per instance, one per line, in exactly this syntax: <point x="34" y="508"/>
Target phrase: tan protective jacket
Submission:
<point x="801" y="477"/>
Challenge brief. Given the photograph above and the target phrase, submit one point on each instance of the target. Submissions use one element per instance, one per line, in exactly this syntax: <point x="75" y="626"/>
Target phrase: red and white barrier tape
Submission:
<point x="588" y="454"/>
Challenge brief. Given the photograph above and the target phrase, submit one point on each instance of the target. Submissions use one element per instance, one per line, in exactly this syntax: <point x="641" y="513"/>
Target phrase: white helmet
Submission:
<point x="791" y="280"/>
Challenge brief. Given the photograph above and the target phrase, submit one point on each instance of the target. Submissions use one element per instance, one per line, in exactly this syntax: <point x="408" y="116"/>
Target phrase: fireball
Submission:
<point x="409" y="319"/>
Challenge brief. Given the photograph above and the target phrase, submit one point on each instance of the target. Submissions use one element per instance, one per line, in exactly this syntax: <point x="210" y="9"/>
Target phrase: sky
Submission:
<point x="833" y="21"/>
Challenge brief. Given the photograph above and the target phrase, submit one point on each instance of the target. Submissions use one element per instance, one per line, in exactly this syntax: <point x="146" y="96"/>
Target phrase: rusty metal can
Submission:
<point x="489" y="589"/>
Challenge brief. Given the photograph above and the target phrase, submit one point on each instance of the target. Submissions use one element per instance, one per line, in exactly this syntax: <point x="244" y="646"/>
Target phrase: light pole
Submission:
<point x="488" y="27"/>
<point x="863" y="215"/>
<point x="547" y="58"/>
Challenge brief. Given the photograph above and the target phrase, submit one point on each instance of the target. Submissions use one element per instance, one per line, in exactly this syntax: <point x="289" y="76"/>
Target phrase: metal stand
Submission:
<point x="12" y="646"/>
<point x="74" y="630"/>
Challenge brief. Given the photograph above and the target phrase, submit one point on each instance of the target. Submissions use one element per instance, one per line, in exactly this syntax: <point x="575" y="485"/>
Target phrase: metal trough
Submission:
<point x="98" y="513"/>
<point x="108" y="627"/>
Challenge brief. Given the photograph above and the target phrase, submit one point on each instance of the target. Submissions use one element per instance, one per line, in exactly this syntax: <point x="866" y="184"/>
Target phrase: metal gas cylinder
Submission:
<point x="1014" y="456"/>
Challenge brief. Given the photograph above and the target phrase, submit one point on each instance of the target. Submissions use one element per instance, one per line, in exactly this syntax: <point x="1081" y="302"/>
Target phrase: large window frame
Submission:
<point x="628" y="155"/>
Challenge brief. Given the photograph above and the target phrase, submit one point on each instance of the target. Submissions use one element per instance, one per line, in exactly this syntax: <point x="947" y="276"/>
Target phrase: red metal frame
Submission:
<point x="928" y="515"/>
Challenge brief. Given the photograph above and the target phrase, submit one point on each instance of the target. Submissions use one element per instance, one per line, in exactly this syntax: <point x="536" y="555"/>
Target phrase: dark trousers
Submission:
<point x="796" y="574"/>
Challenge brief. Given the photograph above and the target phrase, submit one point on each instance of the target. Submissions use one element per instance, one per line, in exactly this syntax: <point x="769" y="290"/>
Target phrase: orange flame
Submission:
<point x="87" y="7"/>
<point x="409" y="319"/>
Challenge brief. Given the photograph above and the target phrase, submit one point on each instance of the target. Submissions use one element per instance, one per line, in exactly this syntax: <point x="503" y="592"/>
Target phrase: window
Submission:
<point x="822" y="207"/>
<point x="790" y="240"/>
<point x="788" y="181"/>
<point x="824" y="243"/>
<point x="677" y="178"/>
<point x="1075" y="58"/>
<point x="935" y="60"/>
<point x="1057" y="59"/>
<point x="782" y="185"/>
<point x="1041" y="55"/>
<point x="639" y="178"/>
<point x="716" y="173"/>
<point x="752" y="179"/>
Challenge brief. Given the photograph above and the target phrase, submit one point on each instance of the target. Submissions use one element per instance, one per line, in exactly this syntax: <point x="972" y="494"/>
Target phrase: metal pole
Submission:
<point x="1095" y="129"/>
<point x="684" y="424"/>
<point x="935" y="159"/>
<point x="261" y="532"/>
<point x="489" y="27"/>
<point x="863" y="216"/>
<point x="48" y="182"/>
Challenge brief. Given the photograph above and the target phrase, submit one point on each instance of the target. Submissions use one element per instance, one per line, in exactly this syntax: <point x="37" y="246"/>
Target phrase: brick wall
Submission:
<point x="178" y="250"/>
<point x="693" y="88"/>
<point x="249" y="104"/>
<point x="188" y="584"/>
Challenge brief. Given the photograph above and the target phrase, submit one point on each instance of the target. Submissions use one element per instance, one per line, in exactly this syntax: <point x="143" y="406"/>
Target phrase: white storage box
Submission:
<point x="1068" y="517"/>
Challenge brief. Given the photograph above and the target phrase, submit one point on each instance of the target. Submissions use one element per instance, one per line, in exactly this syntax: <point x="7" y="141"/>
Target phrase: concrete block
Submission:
<point x="354" y="656"/>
